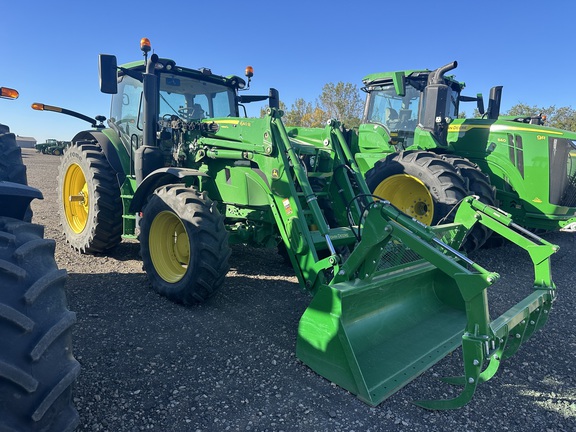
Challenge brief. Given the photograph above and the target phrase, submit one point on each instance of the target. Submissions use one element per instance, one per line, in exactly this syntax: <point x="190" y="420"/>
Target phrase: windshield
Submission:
<point x="187" y="98"/>
<point x="401" y="112"/>
<point x="393" y="111"/>
<point x="195" y="100"/>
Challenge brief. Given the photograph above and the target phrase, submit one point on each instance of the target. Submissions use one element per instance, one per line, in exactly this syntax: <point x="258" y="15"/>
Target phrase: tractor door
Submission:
<point x="126" y="114"/>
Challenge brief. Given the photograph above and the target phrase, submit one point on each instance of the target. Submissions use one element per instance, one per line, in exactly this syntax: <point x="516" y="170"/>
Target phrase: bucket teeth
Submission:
<point x="486" y="374"/>
<point x="473" y="353"/>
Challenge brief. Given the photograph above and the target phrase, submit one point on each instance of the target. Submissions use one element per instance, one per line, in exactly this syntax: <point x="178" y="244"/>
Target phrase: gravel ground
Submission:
<point x="230" y="364"/>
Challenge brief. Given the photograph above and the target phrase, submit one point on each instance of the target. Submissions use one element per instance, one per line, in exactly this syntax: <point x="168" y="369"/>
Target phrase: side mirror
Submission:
<point x="480" y="103"/>
<point x="478" y="99"/>
<point x="494" y="102"/>
<point x="107" y="71"/>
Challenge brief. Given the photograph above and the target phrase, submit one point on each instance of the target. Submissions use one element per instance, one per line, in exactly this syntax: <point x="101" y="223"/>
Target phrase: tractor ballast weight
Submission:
<point x="209" y="178"/>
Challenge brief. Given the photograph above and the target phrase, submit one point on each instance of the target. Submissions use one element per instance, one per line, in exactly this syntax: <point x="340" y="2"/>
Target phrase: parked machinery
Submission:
<point x="182" y="170"/>
<point x="416" y="152"/>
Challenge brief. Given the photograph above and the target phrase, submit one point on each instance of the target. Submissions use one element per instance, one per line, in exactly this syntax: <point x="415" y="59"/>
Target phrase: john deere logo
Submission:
<point x="275" y="173"/>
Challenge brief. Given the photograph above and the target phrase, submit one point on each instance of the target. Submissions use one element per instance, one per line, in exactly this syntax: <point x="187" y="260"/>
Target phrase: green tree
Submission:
<point x="342" y="101"/>
<point x="315" y="118"/>
<point x="298" y="111"/>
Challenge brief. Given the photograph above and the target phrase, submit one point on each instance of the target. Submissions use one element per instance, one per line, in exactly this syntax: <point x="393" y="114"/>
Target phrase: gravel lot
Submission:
<point x="230" y="364"/>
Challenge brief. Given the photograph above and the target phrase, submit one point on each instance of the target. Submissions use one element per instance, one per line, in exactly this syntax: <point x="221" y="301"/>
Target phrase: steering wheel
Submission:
<point x="193" y="112"/>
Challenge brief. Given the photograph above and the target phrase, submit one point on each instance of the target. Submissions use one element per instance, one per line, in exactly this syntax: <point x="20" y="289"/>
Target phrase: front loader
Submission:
<point x="182" y="170"/>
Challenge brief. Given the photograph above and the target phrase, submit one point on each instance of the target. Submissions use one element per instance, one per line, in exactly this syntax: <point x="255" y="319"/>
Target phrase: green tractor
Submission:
<point x="417" y="153"/>
<point x="182" y="170"/>
<point x="52" y="147"/>
<point x="37" y="369"/>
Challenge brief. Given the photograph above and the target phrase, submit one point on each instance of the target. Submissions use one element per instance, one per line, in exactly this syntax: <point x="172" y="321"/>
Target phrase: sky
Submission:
<point x="50" y="49"/>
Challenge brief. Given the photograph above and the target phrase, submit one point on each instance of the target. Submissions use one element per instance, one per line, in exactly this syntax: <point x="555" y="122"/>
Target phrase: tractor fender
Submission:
<point x="15" y="199"/>
<point x="108" y="149"/>
<point x="159" y="177"/>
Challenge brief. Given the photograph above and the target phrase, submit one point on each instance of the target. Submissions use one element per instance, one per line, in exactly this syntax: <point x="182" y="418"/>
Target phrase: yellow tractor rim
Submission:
<point x="76" y="198"/>
<point x="169" y="246"/>
<point x="408" y="194"/>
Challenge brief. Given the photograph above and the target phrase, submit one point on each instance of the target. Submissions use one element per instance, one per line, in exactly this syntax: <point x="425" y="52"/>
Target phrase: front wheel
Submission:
<point x="184" y="244"/>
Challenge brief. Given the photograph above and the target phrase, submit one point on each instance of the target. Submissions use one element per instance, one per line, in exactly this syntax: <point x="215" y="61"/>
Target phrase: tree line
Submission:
<point x="345" y="102"/>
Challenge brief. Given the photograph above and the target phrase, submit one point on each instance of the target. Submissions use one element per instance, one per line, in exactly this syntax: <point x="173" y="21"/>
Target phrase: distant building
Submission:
<point x="26" y="142"/>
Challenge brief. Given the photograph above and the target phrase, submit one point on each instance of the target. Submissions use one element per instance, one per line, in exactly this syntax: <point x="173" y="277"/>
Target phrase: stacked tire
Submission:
<point x="37" y="368"/>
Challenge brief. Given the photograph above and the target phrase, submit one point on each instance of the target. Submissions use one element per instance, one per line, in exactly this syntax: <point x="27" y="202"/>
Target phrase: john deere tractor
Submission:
<point x="180" y="168"/>
<point x="417" y="153"/>
<point x="37" y="369"/>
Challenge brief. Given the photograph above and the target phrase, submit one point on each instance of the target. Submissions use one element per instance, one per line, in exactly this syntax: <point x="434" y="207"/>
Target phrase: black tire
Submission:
<point x="92" y="224"/>
<point x="477" y="184"/>
<point x="192" y="268"/>
<point x="419" y="183"/>
<point x="12" y="168"/>
<point x="37" y="368"/>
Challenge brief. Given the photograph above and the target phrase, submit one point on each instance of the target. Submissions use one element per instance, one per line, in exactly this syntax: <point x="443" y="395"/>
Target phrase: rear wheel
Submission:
<point x="184" y="244"/>
<point x="90" y="204"/>
<point x="37" y="370"/>
<point x="419" y="183"/>
<point x="478" y="184"/>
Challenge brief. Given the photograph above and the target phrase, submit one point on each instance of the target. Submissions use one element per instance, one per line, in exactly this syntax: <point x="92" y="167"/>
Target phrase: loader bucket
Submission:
<point x="404" y="299"/>
<point x="375" y="337"/>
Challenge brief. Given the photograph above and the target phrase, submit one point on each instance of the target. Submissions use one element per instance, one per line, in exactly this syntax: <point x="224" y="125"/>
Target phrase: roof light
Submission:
<point x="145" y="45"/>
<point x="249" y="71"/>
<point x="8" y="93"/>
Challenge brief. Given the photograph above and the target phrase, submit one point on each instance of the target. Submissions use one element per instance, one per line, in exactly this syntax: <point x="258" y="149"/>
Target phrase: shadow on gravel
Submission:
<point x="123" y="252"/>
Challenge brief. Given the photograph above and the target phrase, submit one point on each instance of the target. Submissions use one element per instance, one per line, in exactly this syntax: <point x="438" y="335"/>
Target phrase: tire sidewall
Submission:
<point x="182" y="291"/>
<point x="404" y="163"/>
<point x="77" y="240"/>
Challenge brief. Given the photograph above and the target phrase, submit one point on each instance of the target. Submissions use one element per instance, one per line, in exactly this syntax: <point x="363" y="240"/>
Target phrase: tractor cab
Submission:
<point x="398" y="103"/>
<point x="183" y="96"/>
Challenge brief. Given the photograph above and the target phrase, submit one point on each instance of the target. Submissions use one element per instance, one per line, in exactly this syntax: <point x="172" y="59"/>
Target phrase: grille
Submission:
<point x="569" y="196"/>
<point x="397" y="254"/>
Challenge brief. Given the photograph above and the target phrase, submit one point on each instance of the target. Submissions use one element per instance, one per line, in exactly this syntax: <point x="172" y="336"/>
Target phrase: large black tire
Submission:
<point x="419" y="183"/>
<point x="90" y="203"/>
<point x="184" y="244"/>
<point x="11" y="167"/>
<point x="477" y="184"/>
<point x="37" y="368"/>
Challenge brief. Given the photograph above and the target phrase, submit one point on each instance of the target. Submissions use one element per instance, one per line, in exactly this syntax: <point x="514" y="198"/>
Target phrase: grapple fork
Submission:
<point x="405" y="298"/>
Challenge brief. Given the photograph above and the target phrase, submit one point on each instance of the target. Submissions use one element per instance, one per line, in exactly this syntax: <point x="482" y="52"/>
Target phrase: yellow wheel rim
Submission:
<point x="408" y="194"/>
<point x="169" y="246"/>
<point x="76" y="198"/>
